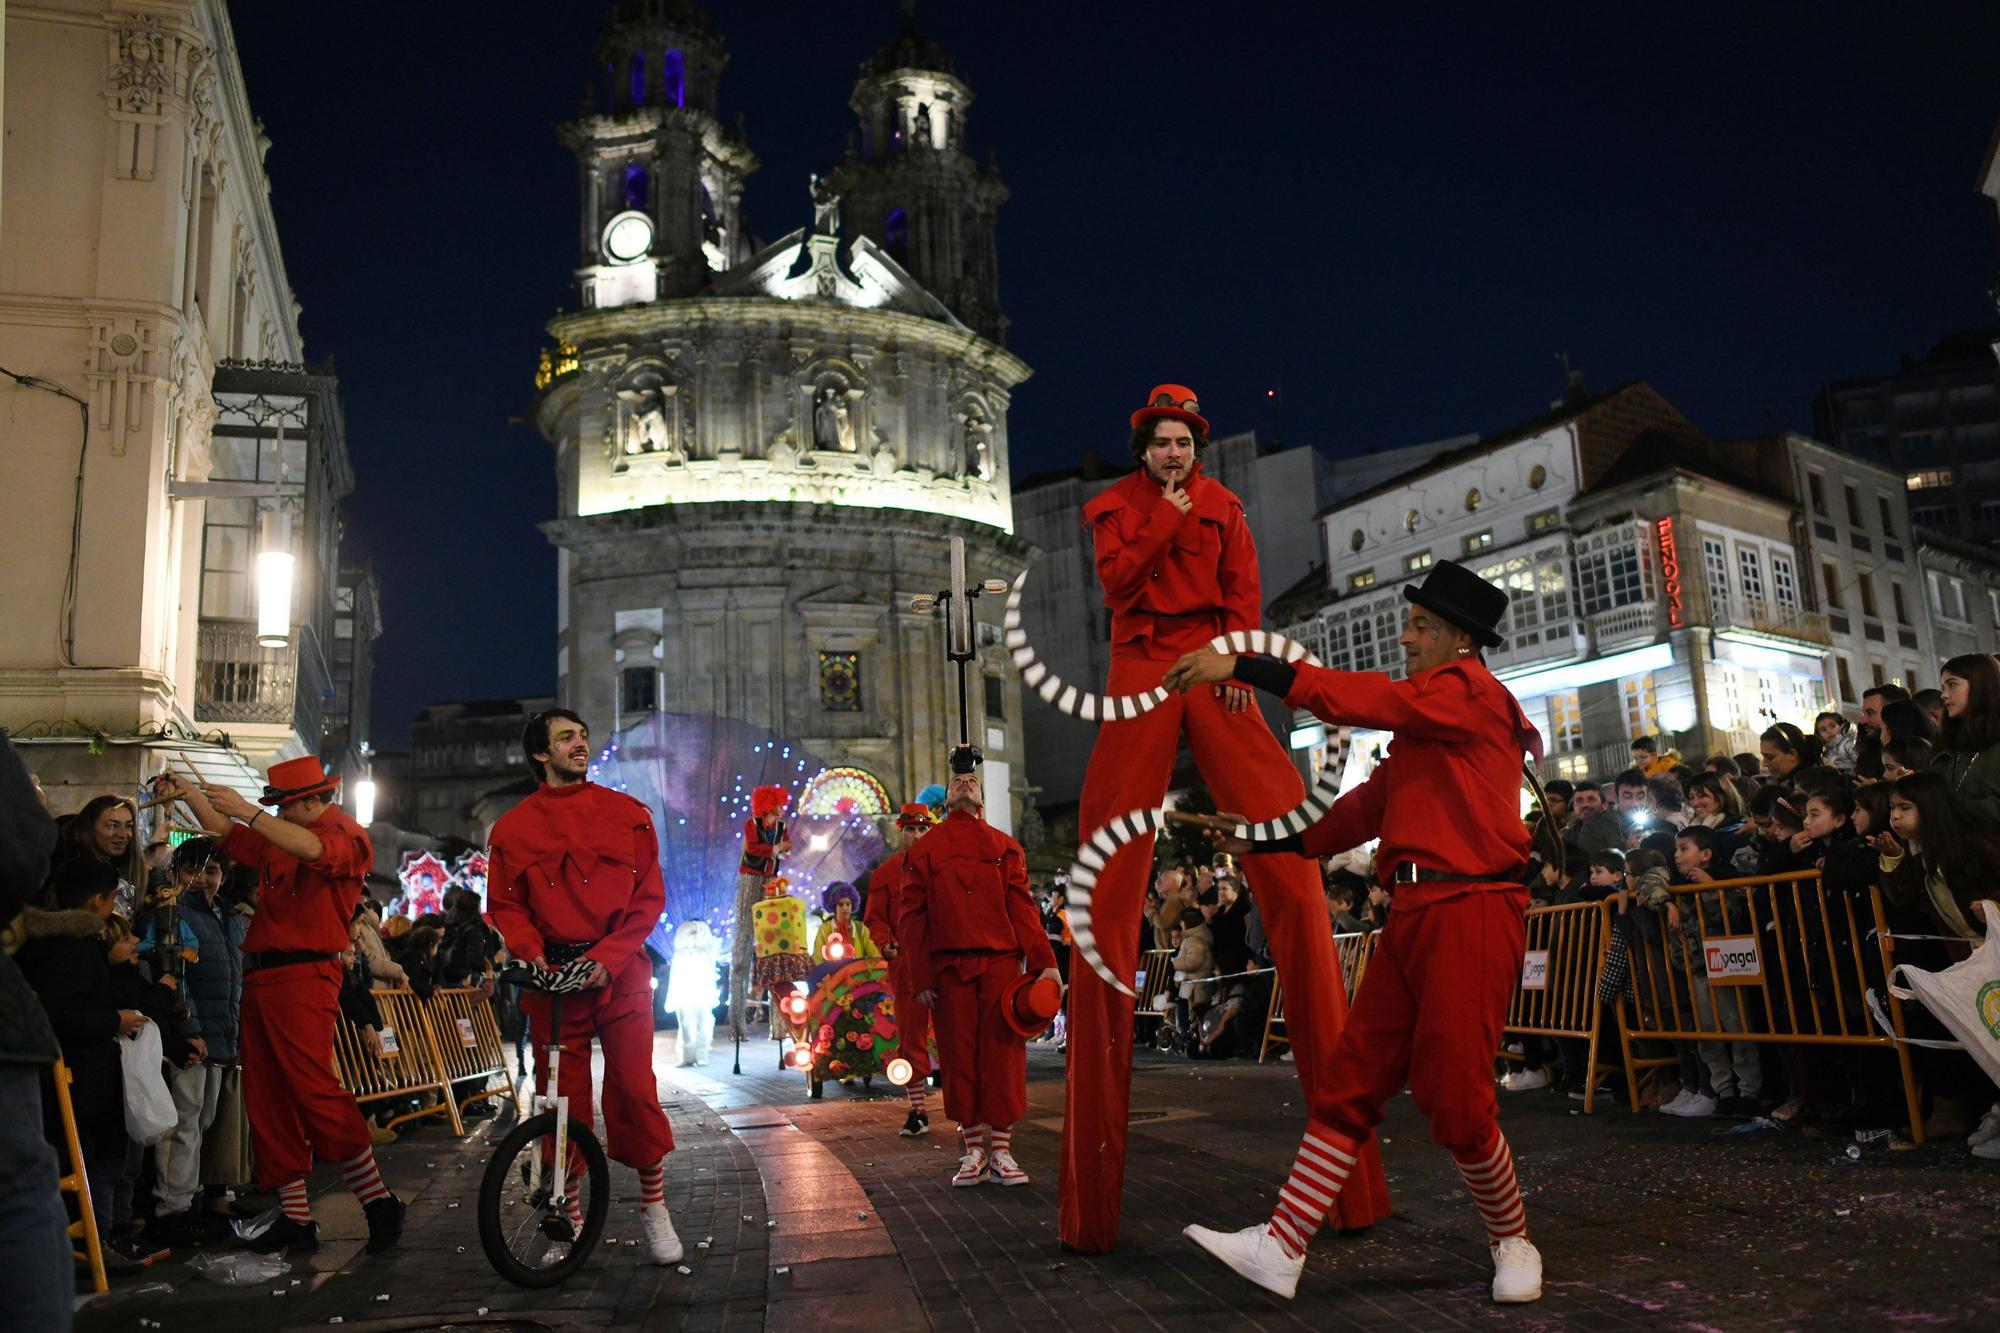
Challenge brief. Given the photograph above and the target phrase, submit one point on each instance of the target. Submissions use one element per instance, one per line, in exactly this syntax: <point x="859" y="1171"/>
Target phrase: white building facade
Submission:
<point x="140" y="275"/>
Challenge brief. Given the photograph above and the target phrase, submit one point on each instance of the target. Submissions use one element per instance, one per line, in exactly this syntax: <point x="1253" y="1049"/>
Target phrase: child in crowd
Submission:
<point x="1837" y="739"/>
<point x="1734" y="1068"/>
<point x="1646" y="921"/>
<point x="1906" y="755"/>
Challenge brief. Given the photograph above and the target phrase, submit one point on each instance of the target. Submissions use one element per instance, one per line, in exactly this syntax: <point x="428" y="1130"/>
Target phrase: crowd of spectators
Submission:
<point x="105" y="939"/>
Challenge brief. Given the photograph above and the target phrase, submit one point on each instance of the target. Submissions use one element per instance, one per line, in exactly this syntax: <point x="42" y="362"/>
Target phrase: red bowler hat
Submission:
<point x="296" y="779"/>
<point x="1030" y="1003"/>
<point x="1175" y="402"/>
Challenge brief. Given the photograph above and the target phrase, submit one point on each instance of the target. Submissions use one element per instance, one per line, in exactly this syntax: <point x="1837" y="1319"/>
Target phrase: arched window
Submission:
<point x="637" y="187"/>
<point x="896" y="230"/>
<point x="673" y="78"/>
<point x="638" y="78"/>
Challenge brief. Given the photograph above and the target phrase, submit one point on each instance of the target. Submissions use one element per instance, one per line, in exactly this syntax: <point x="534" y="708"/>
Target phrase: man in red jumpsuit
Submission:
<point x="967" y="923"/>
<point x="913" y="1020"/>
<point x="1179" y="567"/>
<point x="310" y="859"/>
<point x="1446" y="805"/>
<point x="574" y="871"/>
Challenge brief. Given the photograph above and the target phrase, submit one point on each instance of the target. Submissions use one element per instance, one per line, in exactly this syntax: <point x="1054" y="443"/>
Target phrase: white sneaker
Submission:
<point x="1988" y="1130"/>
<point x="1525" y="1080"/>
<point x="1256" y="1254"/>
<point x="661" y="1242"/>
<point x="1517" y="1271"/>
<point x="971" y="1168"/>
<point x="1005" y="1169"/>
<point x="1693" y="1105"/>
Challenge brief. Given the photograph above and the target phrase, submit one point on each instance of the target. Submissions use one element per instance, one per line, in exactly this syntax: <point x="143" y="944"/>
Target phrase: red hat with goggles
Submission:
<point x="1173" y="402"/>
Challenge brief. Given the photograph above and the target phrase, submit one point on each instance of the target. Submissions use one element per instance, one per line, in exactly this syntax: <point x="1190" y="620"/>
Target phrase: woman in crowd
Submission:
<point x="1717" y="805"/>
<point x="384" y="972"/>
<point x="1786" y="750"/>
<point x="1942" y="862"/>
<point x="1902" y="718"/>
<point x="1969" y="742"/>
<point x="105" y="830"/>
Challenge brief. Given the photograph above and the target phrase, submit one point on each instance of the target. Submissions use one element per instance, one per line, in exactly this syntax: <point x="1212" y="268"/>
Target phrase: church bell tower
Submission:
<point x="908" y="185"/>
<point x="662" y="181"/>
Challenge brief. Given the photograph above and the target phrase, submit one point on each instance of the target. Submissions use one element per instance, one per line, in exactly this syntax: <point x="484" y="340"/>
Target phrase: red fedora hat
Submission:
<point x="1176" y="402"/>
<point x="296" y="779"/>
<point x="1030" y="1003"/>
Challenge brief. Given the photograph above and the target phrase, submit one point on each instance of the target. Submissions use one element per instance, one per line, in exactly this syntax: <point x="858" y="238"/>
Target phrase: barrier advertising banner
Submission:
<point x="1732" y="960"/>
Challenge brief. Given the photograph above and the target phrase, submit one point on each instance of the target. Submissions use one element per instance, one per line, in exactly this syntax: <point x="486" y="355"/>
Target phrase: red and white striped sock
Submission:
<point x="1325" y="1157"/>
<point x="653" y="1185"/>
<point x="919" y="1098"/>
<point x="363" y="1177"/>
<point x="975" y="1137"/>
<point x="1000" y="1140"/>
<point x="292" y="1198"/>
<point x="1490" y="1177"/>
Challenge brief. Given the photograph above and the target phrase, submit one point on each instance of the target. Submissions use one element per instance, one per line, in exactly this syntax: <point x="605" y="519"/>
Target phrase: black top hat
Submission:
<point x="1463" y="598"/>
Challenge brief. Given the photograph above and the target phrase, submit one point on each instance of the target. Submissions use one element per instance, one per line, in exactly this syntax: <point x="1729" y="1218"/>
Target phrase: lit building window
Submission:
<point x="1363" y="579"/>
<point x="1546" y="521"/>
<point x="1479" y="541"/>
<point x="1929" y="478"/>
<point x="1473" y="499"/>
<point x="1418" y="563"/>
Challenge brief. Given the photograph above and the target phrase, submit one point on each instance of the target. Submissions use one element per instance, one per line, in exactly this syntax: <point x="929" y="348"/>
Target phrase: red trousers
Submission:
<point x="1249" y="774"/>
<point x="1430" y="1012"/>
<point x="621" y="1015"/>
<point x="985" y="1061"/>
<point x="913" y="1025"/>
<point x="295" y="1105"/>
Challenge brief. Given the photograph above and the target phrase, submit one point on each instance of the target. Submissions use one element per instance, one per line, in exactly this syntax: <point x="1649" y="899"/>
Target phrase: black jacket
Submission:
<point x="27" y="835"/>
<point x="215" y="980"/>
<point x="63" y="959"/>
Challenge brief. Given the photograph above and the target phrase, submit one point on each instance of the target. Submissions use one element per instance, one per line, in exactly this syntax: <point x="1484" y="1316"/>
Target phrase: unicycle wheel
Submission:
<point x="529" y="1238"/>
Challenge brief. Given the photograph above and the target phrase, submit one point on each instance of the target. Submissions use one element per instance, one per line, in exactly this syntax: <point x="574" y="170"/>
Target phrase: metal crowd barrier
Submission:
<point x="468" y="1041"/>
<point x="1354" y="950"/>
<point x="1158" y="965"/>
<point x="410" y="1065"/>
<point x="88" y="1246"/>
<point x="1781" y="960"/>
<point x="1557" y="993"/>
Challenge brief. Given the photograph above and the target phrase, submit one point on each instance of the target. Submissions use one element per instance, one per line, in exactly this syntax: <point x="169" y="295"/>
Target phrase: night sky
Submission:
<point x="1397" y="219"/>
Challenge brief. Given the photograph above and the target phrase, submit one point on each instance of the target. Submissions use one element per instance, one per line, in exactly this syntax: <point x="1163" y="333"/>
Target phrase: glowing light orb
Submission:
<point x="899" y="1071"/>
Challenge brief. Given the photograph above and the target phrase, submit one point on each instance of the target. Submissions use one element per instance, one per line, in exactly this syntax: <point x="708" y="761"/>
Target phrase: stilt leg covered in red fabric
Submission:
<point x="1249" y="773"/>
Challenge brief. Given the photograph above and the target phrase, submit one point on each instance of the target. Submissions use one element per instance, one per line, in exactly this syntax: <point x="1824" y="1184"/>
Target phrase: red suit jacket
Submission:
<point x="1448" y="796"/>
<point x="884" y="908"/>
<point x="575" y="865"/>
<point x="304" y="905"/>
<point x="965" y="891"/>
<point x="1174" y="581"/>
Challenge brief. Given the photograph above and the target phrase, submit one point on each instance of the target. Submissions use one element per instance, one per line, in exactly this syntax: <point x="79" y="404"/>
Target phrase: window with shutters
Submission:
<point x="1784" y="583"/>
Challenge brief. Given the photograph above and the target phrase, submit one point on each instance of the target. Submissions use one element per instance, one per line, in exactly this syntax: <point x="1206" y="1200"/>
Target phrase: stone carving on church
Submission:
<point x="833" y="420"/>
<point x="650" y="421"/>
<point x="974" y="460"/>
<point x="140" y="78"/>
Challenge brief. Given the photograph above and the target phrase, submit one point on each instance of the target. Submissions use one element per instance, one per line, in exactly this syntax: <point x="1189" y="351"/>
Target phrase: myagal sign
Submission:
<point x="1535" y="970"/>
<point x="1732" y="960"/>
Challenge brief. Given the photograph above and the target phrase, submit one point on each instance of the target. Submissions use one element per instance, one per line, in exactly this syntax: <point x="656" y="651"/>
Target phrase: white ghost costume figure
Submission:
<point x="691" y="989"/>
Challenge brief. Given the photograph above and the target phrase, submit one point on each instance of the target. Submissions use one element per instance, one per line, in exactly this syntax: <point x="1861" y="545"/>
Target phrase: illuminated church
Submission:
<point x="761" y="450"/>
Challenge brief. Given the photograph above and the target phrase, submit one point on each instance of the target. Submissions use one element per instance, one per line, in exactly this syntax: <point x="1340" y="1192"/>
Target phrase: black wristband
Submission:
<point x="1266" y="673"/>
<point x="1295" y="842"/>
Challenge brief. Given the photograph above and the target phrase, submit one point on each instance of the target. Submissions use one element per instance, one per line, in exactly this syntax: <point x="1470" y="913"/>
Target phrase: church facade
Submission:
<point x="762" y="451"/>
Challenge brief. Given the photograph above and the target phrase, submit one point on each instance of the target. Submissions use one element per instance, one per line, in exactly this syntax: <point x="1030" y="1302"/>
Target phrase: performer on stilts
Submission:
<point x="574" y="872"/>
<point x="967" y="924"/>
<point x="1179" y="567"/>
<point x="310" y="859"/>
<point x="1433" y="1002"/>
<point x="913" y="1020"/>
<point x="764" y="844"/>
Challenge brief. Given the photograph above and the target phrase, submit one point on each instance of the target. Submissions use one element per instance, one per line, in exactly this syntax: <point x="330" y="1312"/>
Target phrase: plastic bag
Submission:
<point x="239" y="1269"/>
<point x="258" y="1225"/>
<point x="149" y="1107"/>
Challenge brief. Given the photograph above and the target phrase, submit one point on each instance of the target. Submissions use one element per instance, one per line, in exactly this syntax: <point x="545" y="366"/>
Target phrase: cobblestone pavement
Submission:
<point x="1644" y="1222"/>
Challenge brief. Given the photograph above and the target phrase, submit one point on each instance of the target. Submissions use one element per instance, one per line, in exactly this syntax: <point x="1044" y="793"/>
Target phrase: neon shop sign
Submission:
<point x="1670" y="572"/>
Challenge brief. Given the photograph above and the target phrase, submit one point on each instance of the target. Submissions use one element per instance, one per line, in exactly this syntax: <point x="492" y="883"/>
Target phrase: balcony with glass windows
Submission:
<point x="1625" y="626"/>
<point x="1751" y="619"/>
<point x="272" y="701"/>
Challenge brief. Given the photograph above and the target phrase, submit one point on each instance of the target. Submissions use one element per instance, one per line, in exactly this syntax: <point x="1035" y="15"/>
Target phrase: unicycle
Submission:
<point x="547" y="1190"/>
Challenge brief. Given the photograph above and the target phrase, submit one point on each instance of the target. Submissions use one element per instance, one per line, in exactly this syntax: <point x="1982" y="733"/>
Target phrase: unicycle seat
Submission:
<point x="569" y="979"/>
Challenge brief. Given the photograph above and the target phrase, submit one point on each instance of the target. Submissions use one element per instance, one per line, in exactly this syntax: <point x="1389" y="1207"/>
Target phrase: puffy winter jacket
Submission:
<point x="215" y="980"/>
<point x="27" y="835"/>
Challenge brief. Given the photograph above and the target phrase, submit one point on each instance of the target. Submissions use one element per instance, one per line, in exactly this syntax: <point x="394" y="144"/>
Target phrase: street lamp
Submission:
<point x="364" y="802"/>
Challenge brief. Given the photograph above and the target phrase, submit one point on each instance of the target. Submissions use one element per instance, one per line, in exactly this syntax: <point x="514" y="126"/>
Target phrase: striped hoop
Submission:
<point x="1067" y="698"/>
